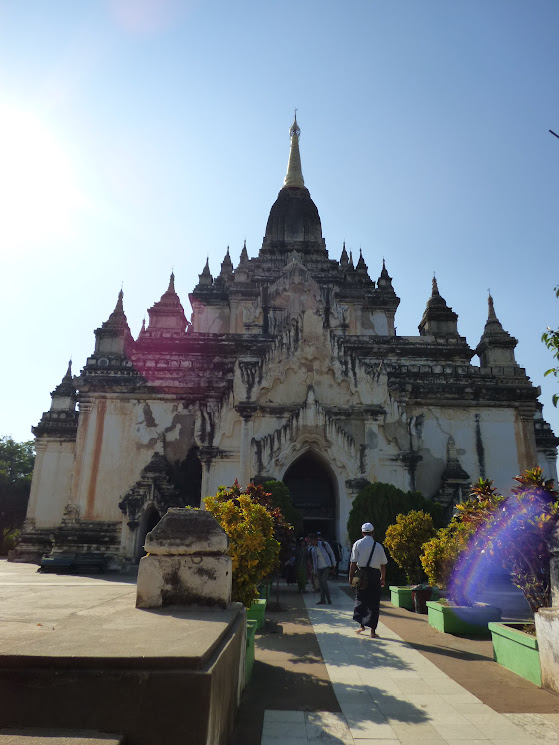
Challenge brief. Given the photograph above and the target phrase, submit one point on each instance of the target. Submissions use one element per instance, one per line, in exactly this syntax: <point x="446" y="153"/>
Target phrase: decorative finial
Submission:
<point x="491" y="314"/>
<point x="434" y="286"/>
<point x="171" y="287"/>
<point x="295" y="129"/>
<point x="294" y="175"/>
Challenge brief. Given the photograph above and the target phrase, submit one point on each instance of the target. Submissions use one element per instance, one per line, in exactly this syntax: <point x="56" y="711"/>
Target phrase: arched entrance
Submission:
<point x="312" y="490"/>
<point x="148" y="521"/>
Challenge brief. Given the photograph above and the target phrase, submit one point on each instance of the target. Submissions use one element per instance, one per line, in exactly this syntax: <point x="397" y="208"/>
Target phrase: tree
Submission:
<point x="281" y="499"/>
<point x="551" y="340"/>
<point x="380" y="503"/>
<point x="16" y="469"/>
<point x="405" y="538"/>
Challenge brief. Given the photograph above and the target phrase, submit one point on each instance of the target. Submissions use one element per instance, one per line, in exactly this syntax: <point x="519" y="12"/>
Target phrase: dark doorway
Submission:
<point x="148" y="521"/>
<point x="187" y="478"/>
<point x="312" y="492"/>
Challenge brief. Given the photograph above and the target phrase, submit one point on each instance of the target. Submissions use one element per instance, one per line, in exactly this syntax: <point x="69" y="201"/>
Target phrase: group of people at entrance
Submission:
<point x="315" y="558"/>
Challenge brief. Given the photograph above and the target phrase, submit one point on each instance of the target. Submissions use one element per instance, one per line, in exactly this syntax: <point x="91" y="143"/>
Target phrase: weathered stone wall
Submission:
<point x="117" y="440"/>
<point x="52" y="481"/>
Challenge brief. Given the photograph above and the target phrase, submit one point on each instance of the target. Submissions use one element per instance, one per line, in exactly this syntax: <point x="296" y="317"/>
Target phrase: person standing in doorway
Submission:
<point x="366" y="552"/>
<point x="323" y="560"/>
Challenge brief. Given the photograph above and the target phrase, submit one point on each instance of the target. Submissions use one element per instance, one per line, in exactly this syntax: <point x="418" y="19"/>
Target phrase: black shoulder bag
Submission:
<point x="360" y="579"/>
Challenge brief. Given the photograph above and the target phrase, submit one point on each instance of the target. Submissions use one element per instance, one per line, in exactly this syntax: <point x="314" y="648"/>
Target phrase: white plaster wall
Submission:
<point x="131" y="435"/>
<point x="497" y="436"/>
<point x="52" y="480"/>
<point x="500" y="446"/>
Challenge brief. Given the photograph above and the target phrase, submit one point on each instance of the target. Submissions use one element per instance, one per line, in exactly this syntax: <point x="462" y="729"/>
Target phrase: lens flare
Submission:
<point x="501" y="534"/>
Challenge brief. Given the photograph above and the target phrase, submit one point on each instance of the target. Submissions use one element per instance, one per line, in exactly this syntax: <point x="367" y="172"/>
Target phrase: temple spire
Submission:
<point x="294" y="175"/>
<point x="434" y="287"/>
<point x="344" y="259"/>
<point x="492" y="316"/>
<point x="119" y="307"/>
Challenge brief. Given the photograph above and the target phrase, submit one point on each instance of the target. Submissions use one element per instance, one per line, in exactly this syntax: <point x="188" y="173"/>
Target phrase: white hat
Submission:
<point x="367" y="528"/>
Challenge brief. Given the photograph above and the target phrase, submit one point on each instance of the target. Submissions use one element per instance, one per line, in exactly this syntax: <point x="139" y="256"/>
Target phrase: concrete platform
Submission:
<point x="75" y="653"/>
<point x="57" y="737"/>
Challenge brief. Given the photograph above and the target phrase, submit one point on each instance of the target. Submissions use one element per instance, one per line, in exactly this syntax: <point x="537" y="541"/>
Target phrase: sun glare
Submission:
<point x="38" y="190"/>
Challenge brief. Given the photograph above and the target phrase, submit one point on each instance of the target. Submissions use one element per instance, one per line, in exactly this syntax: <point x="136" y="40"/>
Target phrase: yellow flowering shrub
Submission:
<point x="252" y="546"/>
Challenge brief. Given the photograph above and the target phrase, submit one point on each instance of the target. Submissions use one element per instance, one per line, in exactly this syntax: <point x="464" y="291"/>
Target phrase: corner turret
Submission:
<point x="496" y="346"/>
<point x="166" y="317"/>
<point x="226" y="273"/>
<point x="113" y="338"/>
<point x="205" y="279"/>
<point x="62" y="418"/>
<point x="438" y="319"/>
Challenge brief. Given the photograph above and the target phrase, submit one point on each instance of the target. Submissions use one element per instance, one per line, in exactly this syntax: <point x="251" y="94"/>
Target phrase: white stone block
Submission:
<point x="184" y="580"/>
<point x="547" y="632"/>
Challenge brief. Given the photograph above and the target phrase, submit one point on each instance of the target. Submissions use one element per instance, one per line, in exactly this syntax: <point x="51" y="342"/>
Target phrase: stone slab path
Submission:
<point x="389" y="693"/>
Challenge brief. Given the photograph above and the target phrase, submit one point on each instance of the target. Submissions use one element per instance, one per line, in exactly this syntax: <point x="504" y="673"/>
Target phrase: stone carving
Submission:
<point x="187" y="562"/>
<point x="155" y="487"/>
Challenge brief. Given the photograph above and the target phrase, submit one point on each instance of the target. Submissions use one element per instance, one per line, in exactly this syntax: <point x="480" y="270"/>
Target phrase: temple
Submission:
<point x="289" y="368"/>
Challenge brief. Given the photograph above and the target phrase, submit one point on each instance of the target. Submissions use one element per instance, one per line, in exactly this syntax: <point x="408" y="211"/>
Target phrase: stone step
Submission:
<point x="32" y="736"/>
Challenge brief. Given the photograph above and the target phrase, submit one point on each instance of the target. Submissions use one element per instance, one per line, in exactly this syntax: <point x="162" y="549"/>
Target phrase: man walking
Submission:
<point x="366" y="552"/>
<point x="323" y="560"/>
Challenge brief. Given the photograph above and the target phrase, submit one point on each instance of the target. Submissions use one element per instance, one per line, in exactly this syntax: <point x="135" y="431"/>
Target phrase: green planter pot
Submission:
<point x="256" y="613"/>
<point x="251" y="631"/>
<point x="461" y="619"/>
<point x="516" y="650"/>
<point x="400" y="596"/>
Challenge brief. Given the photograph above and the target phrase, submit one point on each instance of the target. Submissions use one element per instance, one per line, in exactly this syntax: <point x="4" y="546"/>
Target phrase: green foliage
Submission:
<point x="8" y="540"/>
<point x="551" y="340"/>
<point x="442" y="553"/>
<point x="16" y="469"/>
<point x="250" y="526"/>
<point x="405" y="538"/>
<point x="519" y="534"/>
<point x="281" y="499"/>
<point x="380" y="503"/>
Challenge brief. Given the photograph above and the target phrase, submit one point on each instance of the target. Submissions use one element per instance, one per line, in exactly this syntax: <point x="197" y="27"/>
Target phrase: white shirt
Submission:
<point x="362" y="550"/>
<point x="323" y="556"/>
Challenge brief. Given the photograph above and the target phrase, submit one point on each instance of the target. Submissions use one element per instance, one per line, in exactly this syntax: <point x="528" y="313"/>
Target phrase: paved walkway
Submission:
<point x="389" y="693"/>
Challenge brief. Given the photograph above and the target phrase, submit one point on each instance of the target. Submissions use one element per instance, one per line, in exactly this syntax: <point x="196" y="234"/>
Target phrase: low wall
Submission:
<point x="158" y="678"/>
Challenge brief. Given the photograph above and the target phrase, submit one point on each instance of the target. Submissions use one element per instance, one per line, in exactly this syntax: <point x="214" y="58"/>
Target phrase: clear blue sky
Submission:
<point x="138" y="136"/>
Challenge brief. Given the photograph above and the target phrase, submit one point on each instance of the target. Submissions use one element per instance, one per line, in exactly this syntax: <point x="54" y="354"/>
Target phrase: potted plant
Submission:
<point x="521" y="534"/>
<point x="442" y="560"/>
<point x="404" y="540"/>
